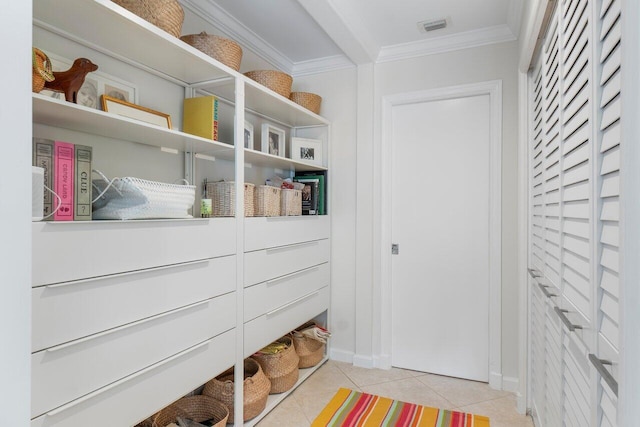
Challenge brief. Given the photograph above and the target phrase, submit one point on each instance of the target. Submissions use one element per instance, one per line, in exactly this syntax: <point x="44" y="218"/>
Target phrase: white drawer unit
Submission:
<point x="267" y="296"/>
<point x="64" y="251"/>
<point x="63" y="373"/>
<point x="280" y="321"/>
<point x="268" y="232"/>
<point x="134" y="398"/>
<point x="86" y="307"/>
<point x="278" y="261"/>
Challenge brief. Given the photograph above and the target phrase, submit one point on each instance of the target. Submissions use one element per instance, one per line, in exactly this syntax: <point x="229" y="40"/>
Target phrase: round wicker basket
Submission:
<point x="277" y="81"/>
<point x="281" y="368"/>
<point x="310" y="101"/>
<point x="256" y="389"/>
<point x="196" y="408"/>
<point x="165" y="14"/>
<point x="224" y="50"/>
<point x="41" y="72"/>
<point x="309" y="351"/>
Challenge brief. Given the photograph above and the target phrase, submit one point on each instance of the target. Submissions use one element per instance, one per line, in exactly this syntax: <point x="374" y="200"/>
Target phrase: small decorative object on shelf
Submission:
<point x="310" y="101"/>
<point x="167" y="15"/>
<point x="306" y="150"/>
<point x="224" y="50"/>
<point x="70" y="81"/>
<point x="273" y="140"/>
<point x="277" y="81"/>
<point x="42" y="71"/>
<point x="137" y="112"/>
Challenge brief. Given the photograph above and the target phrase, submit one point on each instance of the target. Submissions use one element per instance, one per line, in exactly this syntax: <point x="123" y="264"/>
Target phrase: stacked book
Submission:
<point x="200" y="117"/>
<point x="314" y="195"/>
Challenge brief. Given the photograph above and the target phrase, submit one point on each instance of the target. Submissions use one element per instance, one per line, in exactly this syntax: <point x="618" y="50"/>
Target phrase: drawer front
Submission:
<point x="262" y="232"/>
<point x="88" y="307"/>
<point x="267" y="296"/>
<point x="276" y="323"/>
<point x="77" y="250"/>
<point x="66" y="372"/>
<point x="267" y="264"/>
<point x="134" y="398"/>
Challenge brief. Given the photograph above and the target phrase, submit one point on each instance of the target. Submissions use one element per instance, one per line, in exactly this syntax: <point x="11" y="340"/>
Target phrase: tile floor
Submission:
<point x="306" y="402"/>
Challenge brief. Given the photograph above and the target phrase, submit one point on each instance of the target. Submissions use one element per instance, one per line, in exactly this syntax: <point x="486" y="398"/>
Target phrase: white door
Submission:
<point x="440" y="220"/>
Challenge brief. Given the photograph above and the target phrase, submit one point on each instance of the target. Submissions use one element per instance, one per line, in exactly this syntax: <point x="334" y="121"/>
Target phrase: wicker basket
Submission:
<point x="224" y="50"/>
<point x="267" y="201"/>
<point x="41" y="72"/>
<point x="310" y="101"/>
<point x="256" y="389"/>
<point x="277" y="81"/>
<point x="223" y="198"/>
<point x="309" y="351"/>
<point x="290" y="202"/>
<point x="281" y="368"/>
<point x="164" y="14"/>
<point x="196" y="408"/>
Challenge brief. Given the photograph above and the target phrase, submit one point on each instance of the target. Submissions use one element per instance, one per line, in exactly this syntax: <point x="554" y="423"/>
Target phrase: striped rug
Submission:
<point x="350" y="408"/>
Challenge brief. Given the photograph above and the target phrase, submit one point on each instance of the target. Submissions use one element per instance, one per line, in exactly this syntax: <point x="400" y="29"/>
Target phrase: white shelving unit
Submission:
<point x="140" y="280"/>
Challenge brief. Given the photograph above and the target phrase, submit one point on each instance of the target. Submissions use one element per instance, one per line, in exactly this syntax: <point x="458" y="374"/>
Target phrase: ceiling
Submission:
<point x="311" y="36"/>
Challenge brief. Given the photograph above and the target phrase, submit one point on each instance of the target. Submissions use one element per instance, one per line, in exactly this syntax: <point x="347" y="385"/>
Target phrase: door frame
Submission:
<point x="382" y="230"/>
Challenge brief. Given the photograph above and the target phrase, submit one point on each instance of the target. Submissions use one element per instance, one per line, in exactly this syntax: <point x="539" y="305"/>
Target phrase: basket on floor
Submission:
<point x="167" y="15"/>
<point x="267" y="201"/>
<point x="310" y="101"/>
<point x="309" y="351"/>
<point x="223" y="198"/>
<point x="256" y="388"/>
<point x="290" y="202"/>
<point x="219" y="48"/>
<point x="282" y="367"/>
<point x="196" y="408"/>
<point x="277" y="81"/>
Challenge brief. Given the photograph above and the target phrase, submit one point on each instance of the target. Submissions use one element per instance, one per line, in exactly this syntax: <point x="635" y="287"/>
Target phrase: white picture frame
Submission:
<point x="306" y="150"/>
<point x="273" y="140"/>
<point x="248" y="135"/>
<point x="95" y="85"/>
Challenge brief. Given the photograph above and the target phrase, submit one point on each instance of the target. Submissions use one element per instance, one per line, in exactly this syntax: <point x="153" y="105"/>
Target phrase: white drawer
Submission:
<point x="64" y="251"/>
<point x="282" y="320"/>
<point x="69" y="311"/>
<point x="269" y="295"/>
<point x="269" y="232"/>
<point x="269" y="263"/>
<point x="133" y="398"/>
<point x="63" y="373"/>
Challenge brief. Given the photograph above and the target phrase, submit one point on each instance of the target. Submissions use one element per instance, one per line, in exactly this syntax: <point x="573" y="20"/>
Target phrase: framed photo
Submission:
<point x="248" y="135"/>
<point x="133" y="111"/>
<point x="95" y="85"/>
<point x="307" y="150"/>
<point x="273" y="140"/>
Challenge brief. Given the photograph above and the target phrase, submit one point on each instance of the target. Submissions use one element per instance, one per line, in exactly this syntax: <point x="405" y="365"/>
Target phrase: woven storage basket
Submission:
<point x="223" y="198"/>
<point x="164" y="14"/>
<point x="290" y="202"/>
<point x="267" y="201"/>
<point x="224" y="50"/>
<point x="309" y="351"/>
<point x="277" y="81"/>
<point x="256" y="389"/>
<point x="281" y="368"/>
<point x="41" y="71"/>
<point x="196" y="408"/>
<point x="310" y="101"/>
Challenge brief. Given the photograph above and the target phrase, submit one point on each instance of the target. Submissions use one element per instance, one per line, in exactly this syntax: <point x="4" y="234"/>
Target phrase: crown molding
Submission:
<point x="468" y="39"/>
<point x="514" y="16"/>
<point x="234" y="29"/>
<point x="321" y="65"/>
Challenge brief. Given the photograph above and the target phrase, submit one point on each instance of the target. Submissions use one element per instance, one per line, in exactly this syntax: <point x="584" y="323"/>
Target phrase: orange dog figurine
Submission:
<point x="70" y="81"/>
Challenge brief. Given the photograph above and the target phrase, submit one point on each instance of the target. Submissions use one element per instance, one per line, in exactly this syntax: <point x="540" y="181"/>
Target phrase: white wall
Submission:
<point x="15" y="216"/>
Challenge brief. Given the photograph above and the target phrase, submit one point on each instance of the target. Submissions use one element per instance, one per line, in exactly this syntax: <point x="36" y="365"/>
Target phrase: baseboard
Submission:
<point x="382" y="362"/>
<point x="511" y="384"/>
<point x="521" y="404"/>
<point x="341" y="355"/>
<point x="495" y="380"/>
<point x="363" y="361"/>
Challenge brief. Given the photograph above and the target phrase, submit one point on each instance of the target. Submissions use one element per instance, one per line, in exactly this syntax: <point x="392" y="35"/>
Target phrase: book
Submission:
<point x="200" y="117"/>
<point x="43" y="158"/>
<point x="63" y="179"/>
<point x="82" y="183"/>
<point x="322" y="194"/>
<point x="309" y="195"/>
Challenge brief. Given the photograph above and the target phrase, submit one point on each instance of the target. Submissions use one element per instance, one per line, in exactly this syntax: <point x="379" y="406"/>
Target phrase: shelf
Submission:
<point x="60" y="113"/>
<point x="105" y="24"/>
<point x="257" y="158"/>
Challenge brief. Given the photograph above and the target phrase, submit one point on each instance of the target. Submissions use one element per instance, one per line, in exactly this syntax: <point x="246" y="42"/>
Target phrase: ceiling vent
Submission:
<point x="426" y="26"/>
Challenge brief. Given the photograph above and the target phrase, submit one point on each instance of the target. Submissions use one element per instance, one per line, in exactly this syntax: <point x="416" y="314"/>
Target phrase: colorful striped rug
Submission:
<point x="350" y="408"/>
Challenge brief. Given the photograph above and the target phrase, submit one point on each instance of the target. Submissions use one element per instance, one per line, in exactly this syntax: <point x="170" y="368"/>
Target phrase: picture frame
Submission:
<point x="248" y="135"/>
<point x="307" y="150"/>
<point x="137" y="112"/>
<point x="95" y="85"/>
<point x="273" y="140"/>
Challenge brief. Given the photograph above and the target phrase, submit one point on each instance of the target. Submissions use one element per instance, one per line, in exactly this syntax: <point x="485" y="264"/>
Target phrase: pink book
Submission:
<point x="63" y="179"/>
